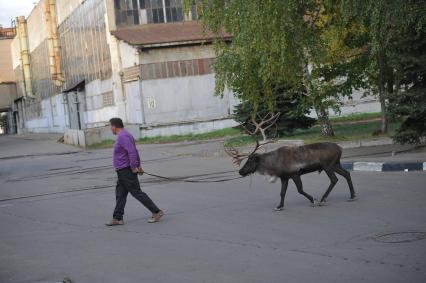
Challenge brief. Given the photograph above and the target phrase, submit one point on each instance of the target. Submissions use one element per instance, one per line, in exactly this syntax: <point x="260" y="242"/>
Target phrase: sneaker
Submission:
<point x="115" y="222"/>
<point x="156" y="217"/>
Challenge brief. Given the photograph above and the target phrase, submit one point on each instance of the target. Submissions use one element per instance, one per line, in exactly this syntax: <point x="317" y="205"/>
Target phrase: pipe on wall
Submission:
<point x="50" y="51"/>
<point x="25" y="55"/>
<point x="54" y="48"/>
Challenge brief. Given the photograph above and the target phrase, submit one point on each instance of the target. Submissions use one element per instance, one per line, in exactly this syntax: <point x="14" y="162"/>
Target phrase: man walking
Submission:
<point x="126" y="162"/>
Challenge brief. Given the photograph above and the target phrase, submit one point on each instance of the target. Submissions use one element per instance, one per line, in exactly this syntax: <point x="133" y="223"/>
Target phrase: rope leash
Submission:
<point x="192" y="181"/>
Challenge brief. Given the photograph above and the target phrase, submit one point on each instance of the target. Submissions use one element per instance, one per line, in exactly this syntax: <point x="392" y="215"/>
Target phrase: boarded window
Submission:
<point x="107" y="99"/>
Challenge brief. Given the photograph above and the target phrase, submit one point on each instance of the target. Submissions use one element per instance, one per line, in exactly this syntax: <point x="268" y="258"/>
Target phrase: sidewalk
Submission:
<point x="33" y="145"/>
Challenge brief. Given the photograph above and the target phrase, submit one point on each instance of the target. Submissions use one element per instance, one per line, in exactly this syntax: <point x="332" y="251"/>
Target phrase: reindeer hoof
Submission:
<point x="315" y="203"/>
<point x="354" y="198"/>
<point x="278" y="208"/>
<point x="323" y="203"/>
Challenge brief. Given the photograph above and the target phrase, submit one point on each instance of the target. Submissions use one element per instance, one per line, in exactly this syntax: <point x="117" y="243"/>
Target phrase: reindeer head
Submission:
<point x="250" y="166"/>
<point x="253" y="159"/>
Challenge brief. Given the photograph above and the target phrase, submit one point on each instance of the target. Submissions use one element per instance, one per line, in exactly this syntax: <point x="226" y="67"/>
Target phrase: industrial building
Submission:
<point x="77" y="63"/>
<point x="7" y="82"/>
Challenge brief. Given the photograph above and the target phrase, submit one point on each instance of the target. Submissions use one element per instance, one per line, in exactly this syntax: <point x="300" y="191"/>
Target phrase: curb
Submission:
<point x="384" y="166"/>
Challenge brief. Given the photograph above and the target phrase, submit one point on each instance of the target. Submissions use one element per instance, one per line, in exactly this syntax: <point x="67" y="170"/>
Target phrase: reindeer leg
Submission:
<point x="339" y="170"/>
<point x="333" y="180"/>
<point x="298" y="182"/>
<point x="284" y="185"/>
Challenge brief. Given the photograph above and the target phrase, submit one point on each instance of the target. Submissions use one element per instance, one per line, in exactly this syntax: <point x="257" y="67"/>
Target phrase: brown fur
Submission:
<point x="292" y="162"/>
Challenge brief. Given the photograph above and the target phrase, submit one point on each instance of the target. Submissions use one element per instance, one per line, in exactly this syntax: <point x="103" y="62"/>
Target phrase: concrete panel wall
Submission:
<point x="37" y="32"/>
<point x="176" y="54"/>
<point x="134" y="103"/>
<point x="53" y="117"/>
<point x="359" y="103"/>
<point x="65" y="8"/>
<point x="96" y="112"/>
<point x="7" y="94"/>
<point x="129" y="55"/>
<point x="6" y="67"/>
<point x="116" y="70"/>
<point x="183" y="99"/>
<point x="54" y="114"/>
<point x="95" y="89"/>
<point x="87" y="137"/>
<point x="75" y="137"/>
<point x="188" y="128"/>
<point x="100" y="117"/>
<point x="362" y="107"/>
<point x="15" y="52"/>
<point x="59" y="119"/>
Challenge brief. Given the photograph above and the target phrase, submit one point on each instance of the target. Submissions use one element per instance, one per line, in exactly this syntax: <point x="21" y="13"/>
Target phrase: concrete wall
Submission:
<point x="176" y="54"/>
<point x="53" y="118"/>
<point x="65" y="8"/>
<point x="87" y="137"/>
<point x="94" y="111"/>
<point x="6" y="67"/>
<point x="129" y="55"/>
<point x="7" y="95"/>
<point x="193" y="127"/>
<point x="7" y="76"/>
<point x="15" y="52"/>
<point x="134" y="107"/>
<point x="359" y="104"/>
<point x="355" y="105"/>
<point x="97" y="109"/>
<point x="36" y="27"/>
<point x="116" y="75"/>
<point x="183" y="99"/>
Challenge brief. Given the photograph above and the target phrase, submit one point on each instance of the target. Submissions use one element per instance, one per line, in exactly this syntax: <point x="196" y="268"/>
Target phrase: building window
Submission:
<point x="173" y="10"/>
<point x="134" y="12"/>
<point x="126" y="12"/>
<point x="154" y="11"/>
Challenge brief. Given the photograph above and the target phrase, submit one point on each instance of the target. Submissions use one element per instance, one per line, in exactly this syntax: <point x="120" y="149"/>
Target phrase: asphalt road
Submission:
<point x="53" y="207"/>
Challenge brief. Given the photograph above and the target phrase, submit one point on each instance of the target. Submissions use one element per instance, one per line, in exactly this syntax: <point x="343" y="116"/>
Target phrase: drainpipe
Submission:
<point x="121" y="74"/>
<point x="25" y="56"/>
<point x="54" y="49"/>
<point x="50" y="51"/>
<point x="56" y="45"/>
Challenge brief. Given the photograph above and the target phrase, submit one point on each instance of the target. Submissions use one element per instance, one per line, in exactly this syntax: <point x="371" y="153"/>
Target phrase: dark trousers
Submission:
<point x="128" y="183"/>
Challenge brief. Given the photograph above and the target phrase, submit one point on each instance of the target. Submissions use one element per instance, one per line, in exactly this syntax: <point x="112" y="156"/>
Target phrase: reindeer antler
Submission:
<point x="265" y="123"/>
<point x="259" y="146"/>
<point x="236" y="156"/>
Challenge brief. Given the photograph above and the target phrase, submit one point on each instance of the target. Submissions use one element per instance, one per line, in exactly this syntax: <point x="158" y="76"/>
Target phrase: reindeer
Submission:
<point x="292" y="162"/>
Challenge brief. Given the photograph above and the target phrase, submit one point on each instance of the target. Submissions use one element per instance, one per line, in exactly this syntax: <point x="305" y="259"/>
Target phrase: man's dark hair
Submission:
<point x="116" y="122"/>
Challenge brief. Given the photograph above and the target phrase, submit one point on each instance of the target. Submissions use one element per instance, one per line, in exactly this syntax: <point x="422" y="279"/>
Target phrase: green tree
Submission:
<point x="279" y="42"/>
<point x="266" y="48"/>
<point x="409" y="98"/>
<point x="382" y="20"/>
<point x="335" y="60"/>
<point x="293" y="113"/>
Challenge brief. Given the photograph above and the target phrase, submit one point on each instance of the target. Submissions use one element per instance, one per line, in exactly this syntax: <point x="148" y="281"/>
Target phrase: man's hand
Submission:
<point x="137" y="170"/>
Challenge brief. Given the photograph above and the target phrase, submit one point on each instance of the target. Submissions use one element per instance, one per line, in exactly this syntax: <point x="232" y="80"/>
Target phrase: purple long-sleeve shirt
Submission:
<point x="125" y="152"/>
